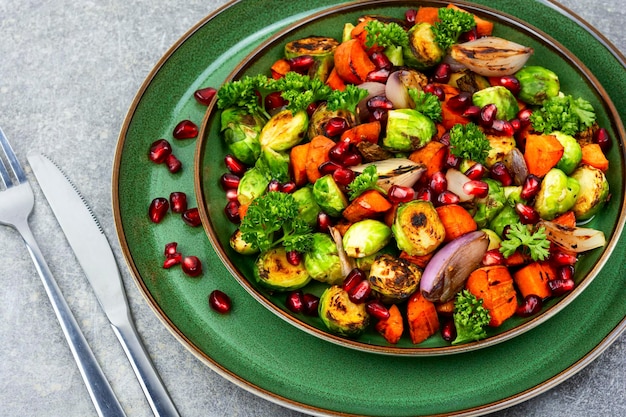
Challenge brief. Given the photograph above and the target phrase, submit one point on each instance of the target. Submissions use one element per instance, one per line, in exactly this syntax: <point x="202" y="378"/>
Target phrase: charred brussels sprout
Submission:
<point x="284" y="130"/>
<point x="500" y="147"/>
<point x="321" y="48"/>
<point x="322" y="262"/>
<point x="468" y="81"/>
<point x="558" y="194"/>
<point x="594" y="191"/>
<point x="394" y="279"/>
<point x="407" y="130"/>
<point x="274" y="163"/>
<point x="422" y="52"/>
<point x="275" y="272"/>
<point x="253" y="184"/>
<point x="506" y="217"/>
<point x="365" y="238"/>
<point x="572" y="153"/>
<point x="241" y="246"/>
<point x="341" y="315"/>
<point x="321" y="116"/>
<point x="537" y="84"/>
<point x="308" y="209"/>
<point x="241" y="133"/>
<point x="417" y="228"/>
<point x="329" y="197"/>
<point x="504" y="100"/>
<point x="488" y="207"/>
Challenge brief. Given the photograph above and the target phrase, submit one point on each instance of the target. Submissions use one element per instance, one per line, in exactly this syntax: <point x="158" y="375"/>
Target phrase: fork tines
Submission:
<point x="14" y="164"/>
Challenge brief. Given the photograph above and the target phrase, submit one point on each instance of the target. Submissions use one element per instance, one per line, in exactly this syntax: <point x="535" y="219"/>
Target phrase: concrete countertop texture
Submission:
<point x="69" y="71"/>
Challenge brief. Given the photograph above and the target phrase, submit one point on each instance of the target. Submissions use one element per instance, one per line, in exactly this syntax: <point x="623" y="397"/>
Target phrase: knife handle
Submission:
<point x="100" y="391"/>
<point x="151" y="384"/>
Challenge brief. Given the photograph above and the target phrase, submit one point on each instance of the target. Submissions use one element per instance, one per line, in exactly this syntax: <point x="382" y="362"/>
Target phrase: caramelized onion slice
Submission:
<point x="576" y="239"/>
<point x="395" y="171"/>
<point x="491" y="56"/>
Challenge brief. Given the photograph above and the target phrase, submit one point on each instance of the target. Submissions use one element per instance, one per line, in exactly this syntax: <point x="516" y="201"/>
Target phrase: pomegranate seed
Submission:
<point x="343" y="176"/>
<point x="470" y="35"/>
<point x="234" y="165"/>
<point x="232" y="194"/>
<point x="273" y="186"/>
<point x="448" y="197"/>
<point x="328" y="167"/>
<point x="400" y="194"/>
<point x="502" y="128"/>
<point x="488" y="115"/>
<point x="288" y="187"/>
<point x="205" y="95"/>
<point x="561" y="286"/>
<point x="460" y="102"/>
<point x="232" y="212"/>
<point x="452" y="161"/>
<point x="471" y="112"/>
<point x="229" y="181"/>
<point x="378" y="76"/>
<point x="360" y="292"/>
<point x="516" y="124"/>
<point x="172" y="260"/>
<point x="442" y="73"/>
<point x="220" y="302"/>
<point x="294" y="257"/>
<point x="424" y="194"/>
<point x="301" y="64"/>
<point x="173" y="164"/>
<point x="438" y="182"/>
<point x="351" y="159"/>
<point x="476" y="188"/>
<point x="294" y="301"/>
<point x="507" y="81"/>
<point x="500" y="173"/>
<point x="274" y="100"/>
<point x="602" y="138"/>
<point x="338" y="151"/>
<point x="381" y="61"/>
<point x="445" y="138"/>
<point x="527" y="214"/>
<point x="178" y="201"/>
<point x="377" y="310"/>
<point x="158" y="209"/>
<point x="336" y="126"/>
<point x="378" y="115"/>
<point x="448" y="331"/>
<point x="192" y="217"/>
<point x="409" y="16"/>
<point x="476" y="172"/>
<point x="323" y="222"/>
<point x="170" y="249"/>
<point x="530" y="187"/>
<point x="159" y="151"/>
<point x="310" y="109"/>
<point x="524" y="116"/>
<point x="531" y="305"/>
<point x="310" y="302"/>
<point x="561" y="258"/>
<point x="186" y="129"/>
<point x="493" y="257"/>
<point x="436" y="90"/>
<point x="192" y="266"/>
<point x="355" y="276"/>
<point x="379" y="102"/>
<point x="565" y="272"/>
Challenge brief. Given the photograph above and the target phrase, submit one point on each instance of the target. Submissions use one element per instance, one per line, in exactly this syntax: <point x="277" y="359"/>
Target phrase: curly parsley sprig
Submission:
<point x="366" y="180"/>
<point x="385" y="34"/>
<point x="452" y="23"/>
<point x="426" y="103"/>
<point x="565" y="114"/>
<point x="469" y="142"/>
<point x="347" y="99"/>
<point x="520" y="235"/>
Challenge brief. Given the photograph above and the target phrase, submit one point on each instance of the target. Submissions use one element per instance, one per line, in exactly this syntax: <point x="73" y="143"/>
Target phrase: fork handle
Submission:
<point x="100" y="391"/>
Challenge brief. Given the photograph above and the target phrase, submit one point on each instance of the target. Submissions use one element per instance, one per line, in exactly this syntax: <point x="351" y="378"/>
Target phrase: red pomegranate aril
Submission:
<point x="232" y="194"/>
<point x="442" y="73"/>
<point x="301" y="64"/>
<point x="381" y="61"/>
<point x="288" y="187"/>
<point x="158" y="209"/>
<point x="476" y="172"/>
<point x="530" y="187"/>
<point x="159" y="151"/>
<point x="360" y="292"/>
<point x="234" y="165"/>
<point x="205" y="95"/>
<point x="379" y="102"/>
<point x="460" y="102"/>
<point x="343" y="176"/>
<point x="273" y="185"/>
<point x="436" y="90"/>
<point x="338" y="151"/>
<point x="377" y="310"/>
<point x="294" y="301"/>
<point x="471" y="112"/>
<point x="192" y="217"/>
<point x="493" y="257"/>
<point x="487" y="115"/>
<point x="476" y="188"/>
<point x="448" y="331"/>
<point x="355" y="276"/>
<point x="400" y="194"/>
<point x="524" y="116"/>
<point x="531" y="305"/>
<point x="527" y="214"/>
<point x="185" y="129"/>
<point x="274" y="100"/>
<point x="294" y="257"/>
<point x="220" y="302"/>
<point x="232" y="212"/>
<point x="336" y="126"/>
<point x="516" y="124"/>
<point x="561" y="286"/>
<point x="378" y="76"/>
<point x="172" y="260"/>
<point x="470" y="35"/>
<point x="178" y="201"/>
<point x="500" y="173"/>
<point x="565" y="272"/>
<point x="192" y="266"/>
<point x="328" y="167"/>
<point x="170" y="249"/>
<point x="448" y="197"/>
<point x="561" y="258"/>
<point x="310" y="302"/>
<point x="173" y="164"/>
<point x="378" y="115"/>
<point x="502" y="128"/>
<point x="445" y="138"/>
<point x="438" y="182"/>
<point x="509" y="82"/>
<point x="229" y="181"/>
<point x="602" y="138"/>
<point x="323" y="222"/>
<point x="452" y="161"/>
<point x="424" y="194"/>
<point x="409" y="16"/>
<point x="351" y="159"/>
<point x="310" y="109"/>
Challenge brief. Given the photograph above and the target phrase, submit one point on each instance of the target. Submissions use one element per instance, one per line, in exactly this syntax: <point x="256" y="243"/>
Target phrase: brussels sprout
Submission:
<point x="407" y="130"/>
<point x="240" y="245"/>
<point x="537" y="84"/>
<point x="241" y="133"/>
<point x="505" y="101"/>
<point x="321" y="48"/>
<point x="307" y="207"/>
<point x="394" y="279"/>
<point x="468" y="81"/>
<point x="422" y="52"/>
<point x="346" y="34"/>
<point x="274" y="164"/>
<point x="572" y="153"/>
<point x="488" y="207"/>
<point x="417" y="228"/>
<point x="513" y="194"/>
<point x="558" y="194"/>
<point x="365" y="263"/>
<point x="253" y="184"/>
<point x="594" y="191"/>
<point x="506" y="217"/>
<point x="273" y="271"/>
<point x="322" y="262"/>
<point x="500" y="147"/>
<point x="328" y="196"/>
<point x="494" y="239"/>
<point x="322" y="115"/>
<point x="284" y="130"/>
<point x="341" y="315"/>
<point x="395" y="54"/>
<point x="365" y="238"/>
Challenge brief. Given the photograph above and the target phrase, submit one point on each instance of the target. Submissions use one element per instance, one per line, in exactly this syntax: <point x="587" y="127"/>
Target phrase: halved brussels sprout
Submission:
<point x="321" y="48"/>
<point x="417" y="228"/>
<point x="487" y="208"/>
<point x="253" y="184"/>
<point x="275" y="164"/>
<point x="365" y="238"/>
<point x="500" y="147"/>
<point x="322" y="262"/>
<point x="594" y="191"/>
<point x="284" y="130"/>
<point x="407" y="130"/>
<point x="328" y="196"/>
<point x="506" y="217"/>
<point x="537" y="84"/>
<point x="307" y="207"/>
<point x="273" y="271"/>
<point x="240" y="245"/>
<point x="572" y="153"/>
<point x="341" y="315"/>
<point x="494" y="239"/>
<point x="394" y="279"/>
<point x="322" y="115"/>
<point x="241" y="133"/>
<point x="558" y="194"/>
<point x="422" y="52"/>
<point x="505" y="101"/>
<point x="468" y="81"/>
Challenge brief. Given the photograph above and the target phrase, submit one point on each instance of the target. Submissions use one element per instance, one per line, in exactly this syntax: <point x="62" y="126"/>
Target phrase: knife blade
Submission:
<point x="95" y="256"/>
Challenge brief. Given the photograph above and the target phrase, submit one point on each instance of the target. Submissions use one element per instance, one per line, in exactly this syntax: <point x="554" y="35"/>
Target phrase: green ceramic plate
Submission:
<point x="574" y="78"/>
<point x="262" y="353"/>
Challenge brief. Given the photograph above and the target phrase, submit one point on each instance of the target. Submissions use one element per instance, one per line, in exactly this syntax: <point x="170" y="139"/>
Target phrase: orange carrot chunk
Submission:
<point x="316" y="156"/>
<point x="456" y="221"/>
<point x="369" y="132"/>
<point x="533" y="279"/>
<point x="593" y="156"/>
<point x="368" y="205"/>
<point x="432" y="156"/>
<point x="298" y="160"/>
<point x="352" y="62"/>
<point x="392" y="327"/>
<point x="494" y="285"/>
<point x="422" y="318"/>
<point x="542" y="153"/>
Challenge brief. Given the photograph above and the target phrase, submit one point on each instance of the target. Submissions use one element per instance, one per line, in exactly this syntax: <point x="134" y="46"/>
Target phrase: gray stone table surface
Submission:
<point x="69" y="70"/>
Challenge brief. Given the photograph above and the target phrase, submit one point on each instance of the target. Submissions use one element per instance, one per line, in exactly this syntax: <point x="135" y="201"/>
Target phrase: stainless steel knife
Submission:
<point x="92" y="249"/>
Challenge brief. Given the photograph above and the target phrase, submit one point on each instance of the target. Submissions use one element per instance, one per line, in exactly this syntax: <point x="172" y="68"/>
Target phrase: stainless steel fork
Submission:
<point x="16" y="204"/>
